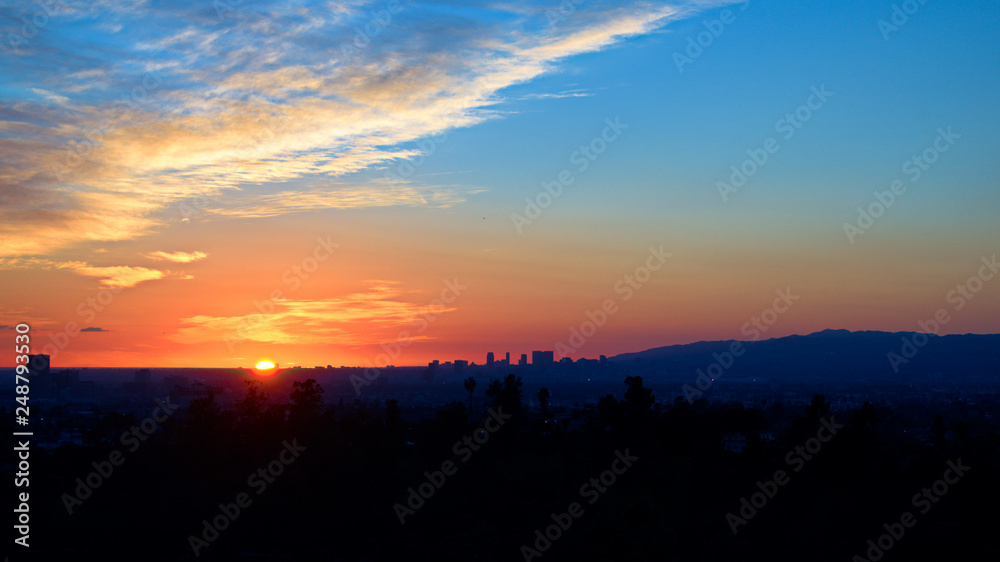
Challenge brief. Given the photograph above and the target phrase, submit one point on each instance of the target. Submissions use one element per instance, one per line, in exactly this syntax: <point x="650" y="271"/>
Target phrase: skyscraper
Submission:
<point x="489" y="359"/>
<point x="542" y="358"/>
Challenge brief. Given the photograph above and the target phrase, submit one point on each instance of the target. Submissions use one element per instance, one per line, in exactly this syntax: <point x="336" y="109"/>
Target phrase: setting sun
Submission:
<point x="265" y="365"/>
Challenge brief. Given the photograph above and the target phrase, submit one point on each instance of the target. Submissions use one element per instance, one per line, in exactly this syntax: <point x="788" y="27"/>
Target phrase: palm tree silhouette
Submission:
<point x="543" y="397"/>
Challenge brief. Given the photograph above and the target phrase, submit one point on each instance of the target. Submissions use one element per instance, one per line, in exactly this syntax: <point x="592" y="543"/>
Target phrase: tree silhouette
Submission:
<point x="307" y="400"/>
<point x="507" y="394"/>
<point x="543" y="398"/>
<point x="204" y="413"/>
<point x="251" y="407"/>
<point x="638" y="400"/>
<point x="817" y="408"/>
<point x="938" y="432"/>
<point x="470" y="387"/>
<point x="364" y="459"/>
<point x="609" y="409"/>
<point x="494" y="389"/>
<point x="393" y="419"/>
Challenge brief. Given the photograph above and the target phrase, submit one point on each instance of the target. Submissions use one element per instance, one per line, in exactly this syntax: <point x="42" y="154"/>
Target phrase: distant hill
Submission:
<point x="832" y="355"/>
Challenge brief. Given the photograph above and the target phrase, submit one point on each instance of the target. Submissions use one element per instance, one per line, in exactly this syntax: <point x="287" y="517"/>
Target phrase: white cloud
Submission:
<point x="266" y="99"/>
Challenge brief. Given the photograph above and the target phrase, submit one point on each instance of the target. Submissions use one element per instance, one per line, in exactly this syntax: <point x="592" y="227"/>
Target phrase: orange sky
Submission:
<point x="511" y="296"/>
<point x="191" y="167"/>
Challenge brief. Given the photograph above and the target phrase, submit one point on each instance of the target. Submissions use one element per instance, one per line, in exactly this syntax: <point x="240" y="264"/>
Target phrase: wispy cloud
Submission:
<point x="177" y="257"/>
<point x="105" y="151"/>
<point x="387" y="193"/>
<point x="49" y="96"/>
<point x="120" y="276"/>
<point x="558" y="96"/>
<point x="114" y="276"/>
<point x="369" y="317"/>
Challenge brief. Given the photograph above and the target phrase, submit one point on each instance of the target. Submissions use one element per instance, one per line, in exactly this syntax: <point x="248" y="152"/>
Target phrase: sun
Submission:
<point x="265" y="366"/>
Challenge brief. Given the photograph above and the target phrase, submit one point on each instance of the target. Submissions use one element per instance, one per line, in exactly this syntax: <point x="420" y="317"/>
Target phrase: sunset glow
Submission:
<point x="203" y="188"/>
<point x="505" y="280"/>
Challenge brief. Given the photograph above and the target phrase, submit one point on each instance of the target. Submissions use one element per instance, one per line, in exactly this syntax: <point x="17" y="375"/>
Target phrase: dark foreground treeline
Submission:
<point x="343" y="495"/>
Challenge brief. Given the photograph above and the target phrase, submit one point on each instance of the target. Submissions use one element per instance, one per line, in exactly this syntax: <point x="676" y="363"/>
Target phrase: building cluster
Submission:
<point x="541" y="361"/>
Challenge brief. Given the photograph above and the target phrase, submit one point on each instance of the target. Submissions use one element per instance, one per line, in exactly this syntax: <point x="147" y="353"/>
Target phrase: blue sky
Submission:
<point x="938" y="69"/>
<point x="260" y="116"/>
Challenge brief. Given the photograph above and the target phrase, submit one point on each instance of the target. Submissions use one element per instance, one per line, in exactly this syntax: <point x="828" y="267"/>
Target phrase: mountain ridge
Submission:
<point x="833" y="354"/>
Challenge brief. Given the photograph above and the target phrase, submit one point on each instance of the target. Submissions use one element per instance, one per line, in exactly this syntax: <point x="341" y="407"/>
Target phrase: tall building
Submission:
<point x="489" y="359"/>
<point x="507" y="360"/>
<point x="524" y="360"/>
<point x="542" y="358"/>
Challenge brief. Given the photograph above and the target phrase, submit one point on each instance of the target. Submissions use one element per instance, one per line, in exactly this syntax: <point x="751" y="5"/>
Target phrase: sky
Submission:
<point x="212" y="183"/>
